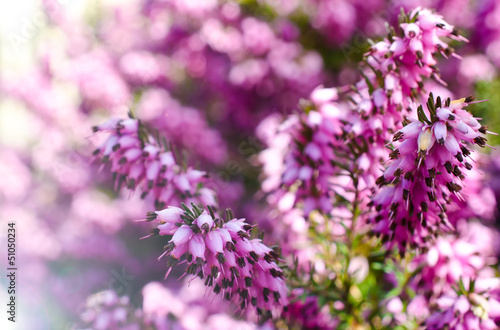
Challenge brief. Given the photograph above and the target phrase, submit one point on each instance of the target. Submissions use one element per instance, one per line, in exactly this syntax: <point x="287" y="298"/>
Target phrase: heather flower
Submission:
<point x="453" y="283"/>
<point x="401" y="61"/>
<point x="397" y="65"/>
<point x="460" y="13"/>
<point x="395" y="307"/>
<point x="486" y="240"/>
<point x="428" y="166"/>
<point x="474" y="68"/>
<point x="248" y="68"/>
<point x="468" y="309"/>
<point x="394" y="73"/>
<point x="139" y="161"/>
<point x="230" y="66"/>
<point x="418" y="308"/>
<point x="306" y="144"/>
<point x="447" y="261"/>
<point x="451" y="259"/>
<point x="222" y="254"/>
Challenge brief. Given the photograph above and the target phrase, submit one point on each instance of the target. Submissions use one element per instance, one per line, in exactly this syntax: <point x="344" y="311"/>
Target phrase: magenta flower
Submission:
<point x="222" y="253"/>
<point x="396" y="66"/>
<point x="428" y="166"/>
<point x="454" y="285"/>
<point x="305" y="146"/>
<point x="394" y="73"/>
<point x="137" y="160"/>
<point x="468" y="309"/>
<point x="447" y="262"/>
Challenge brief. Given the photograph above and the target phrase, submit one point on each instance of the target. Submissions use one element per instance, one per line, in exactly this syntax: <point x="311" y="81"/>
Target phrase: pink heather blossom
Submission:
<point x="244" y="67"/>
<point x="229" y="70"/>
<point x="307" y="142"/>
<point x="138" y="161"/>
<point x="460" y="13"/>
<point x="403" y="61"/>
<point x="184" y="308"/>
<point x="469" y="311"/>
<point x="453" y="284"/>
<point x="418" y="308"/>
<point x="474" y="68"/>
<point x="445" y="263"/>
<point x="222" y="254"/>
<point x="339" y="20"/>
<point x="394" y="73"/>
<point x="395" y="307"/>
<point x="451" y="259"/>
<point x="312" y="146"/>
<point x="428" y="166"/>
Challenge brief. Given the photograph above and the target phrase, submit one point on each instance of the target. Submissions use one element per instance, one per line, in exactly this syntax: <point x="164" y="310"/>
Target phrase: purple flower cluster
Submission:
<point x="222" y="253"/>
<point x="401" y="61"/>
<point x="201" y="76"/>
<point x="466" y="311"/>
<point x="139" y="161"/>
<point x="454" y="285"/>
<point x="394" y="73"/>
<point x="310" y="155"/>
<point x="305" y="143"/>
<point x="447" y="262"/>
<point x="426" y="168"/>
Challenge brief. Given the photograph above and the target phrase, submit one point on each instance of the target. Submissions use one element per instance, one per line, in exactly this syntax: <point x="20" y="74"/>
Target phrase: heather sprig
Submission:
<point x="452" y="285"/>
<point x="425" y="169"/>
<point x="465" y="309"/>
<point x="394" y="72"/>
<point x="312" y="139"/>
<point x="220" y="251"/>
<point x="139" y="160"/>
